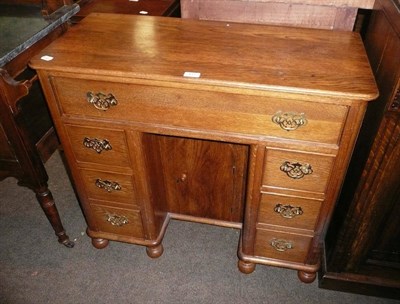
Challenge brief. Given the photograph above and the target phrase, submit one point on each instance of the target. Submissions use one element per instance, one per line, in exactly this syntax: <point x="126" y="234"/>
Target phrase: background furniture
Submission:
<point x="333" y="15"/>
<point x="363" y="244"/>
<point x="169" y="8"/>
<point x="47" y="7"/>
<point x="252" y="142"/>
<point x="27" y="136"/>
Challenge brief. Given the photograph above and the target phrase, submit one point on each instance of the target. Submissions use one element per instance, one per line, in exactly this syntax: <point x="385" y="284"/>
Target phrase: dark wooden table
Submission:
<point x="27" y="136"/>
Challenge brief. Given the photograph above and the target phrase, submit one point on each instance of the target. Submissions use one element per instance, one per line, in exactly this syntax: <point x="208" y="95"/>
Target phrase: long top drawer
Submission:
<point x="204" y="110"/>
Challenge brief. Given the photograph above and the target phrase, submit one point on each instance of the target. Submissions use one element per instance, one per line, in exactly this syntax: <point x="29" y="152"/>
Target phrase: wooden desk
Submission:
<point x="27" y="136"/>
<point x="259" y="140"/>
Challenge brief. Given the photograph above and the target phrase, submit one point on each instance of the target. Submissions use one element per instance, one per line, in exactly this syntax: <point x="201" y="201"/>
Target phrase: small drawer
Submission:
<point x="282" y="246"/>
<point x="288" y="211"/>
<point x="107" y="186"/>
<point x="100" y="146"/>
<point x="297" y="171"/>
<point x="201" y="109"/>
<point x="117" y="221"/>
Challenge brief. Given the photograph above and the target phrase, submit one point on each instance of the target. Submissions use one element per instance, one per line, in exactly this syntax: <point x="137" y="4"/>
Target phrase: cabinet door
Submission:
<point x="201" y="178"/>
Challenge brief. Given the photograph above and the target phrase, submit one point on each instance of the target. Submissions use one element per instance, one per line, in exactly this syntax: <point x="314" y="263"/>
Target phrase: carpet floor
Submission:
<point x="198" y="264"/>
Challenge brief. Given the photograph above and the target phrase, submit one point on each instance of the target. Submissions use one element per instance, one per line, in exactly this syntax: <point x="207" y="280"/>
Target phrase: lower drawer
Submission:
<point x="118" y="221"/>
<point x="281" y="246"/>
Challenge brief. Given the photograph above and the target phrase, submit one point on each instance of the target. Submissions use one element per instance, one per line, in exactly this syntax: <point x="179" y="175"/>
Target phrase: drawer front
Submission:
<point x="282" y="246"/>
<point x="111" y="187"/>
<point x="207" y="110"/>
<point x="100" y="146"/>
<point x="288" y="211"/>
<point x="297" y="171"/>
<point x="118" y="221"/>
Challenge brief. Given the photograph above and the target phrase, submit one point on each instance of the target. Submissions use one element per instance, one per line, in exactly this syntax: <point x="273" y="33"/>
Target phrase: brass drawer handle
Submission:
<point x="97" y="145"/>
<point x="288" y="211"/>
<point x="107" y="185"/>
<point x="117" y="220"/>
<point x="101" y="101"/>
<point x="289" y="121"/>
<point x="281" y="244"/>
<point x="296" y="170"/>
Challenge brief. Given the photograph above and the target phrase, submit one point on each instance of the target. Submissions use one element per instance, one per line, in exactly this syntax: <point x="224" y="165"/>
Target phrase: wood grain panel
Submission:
<point x="203" y="178"/>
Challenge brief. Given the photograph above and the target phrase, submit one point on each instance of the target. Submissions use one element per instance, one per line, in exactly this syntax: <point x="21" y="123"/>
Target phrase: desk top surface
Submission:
<point x="260" y="57"/>
<point x="23" y="25"/>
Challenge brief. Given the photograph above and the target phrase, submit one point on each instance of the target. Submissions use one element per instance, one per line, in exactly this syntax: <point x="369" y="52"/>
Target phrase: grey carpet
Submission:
<point x="198" y="264"/>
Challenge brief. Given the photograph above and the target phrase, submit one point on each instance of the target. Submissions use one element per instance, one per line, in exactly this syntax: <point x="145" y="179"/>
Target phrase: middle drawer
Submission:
<point x="109" y="187"/>
<point x="288" y="211"/>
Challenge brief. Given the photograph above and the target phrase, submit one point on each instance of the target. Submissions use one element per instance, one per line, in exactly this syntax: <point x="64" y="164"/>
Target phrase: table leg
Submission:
<point x="48" y="205"/>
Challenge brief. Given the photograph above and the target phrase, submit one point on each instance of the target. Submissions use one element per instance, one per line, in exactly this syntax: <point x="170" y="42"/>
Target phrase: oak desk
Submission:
<point x="244" y="126"/>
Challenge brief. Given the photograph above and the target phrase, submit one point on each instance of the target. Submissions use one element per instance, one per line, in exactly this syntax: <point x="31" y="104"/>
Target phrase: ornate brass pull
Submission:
<point x="97" y="144"/>
<point x="281" y="244"/>
<point x="107" y="185"/>
<point x="117" y="220"/>
<point x="296" y="170"/>
<point x="101" y="101"/>
<point x="288" y="211"/>
<point x="289" y="121"/>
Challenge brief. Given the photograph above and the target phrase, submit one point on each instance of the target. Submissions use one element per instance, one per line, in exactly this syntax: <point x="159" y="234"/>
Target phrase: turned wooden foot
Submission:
<point x="46" y="201"/>
<point x="155" y="251"/>
<point x="246" y="267"/>
<point x="100" y="243"/>
<point x="306" y="277"/>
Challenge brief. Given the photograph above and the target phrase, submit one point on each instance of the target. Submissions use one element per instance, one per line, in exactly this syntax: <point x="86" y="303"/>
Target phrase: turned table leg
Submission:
<point x="48" y="205"/>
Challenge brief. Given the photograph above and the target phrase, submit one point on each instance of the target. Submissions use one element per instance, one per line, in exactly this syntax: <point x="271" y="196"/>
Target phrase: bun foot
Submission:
<point x="155" y="251"/>
<point x="246" y="267"/>
<point x="306" y="277"/>
<point x="100" y="243"/>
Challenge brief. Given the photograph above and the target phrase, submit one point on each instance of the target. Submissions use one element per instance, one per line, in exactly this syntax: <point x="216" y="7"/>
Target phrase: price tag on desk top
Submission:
<point x="192" y="74"/>
<point x="47" y="58"/>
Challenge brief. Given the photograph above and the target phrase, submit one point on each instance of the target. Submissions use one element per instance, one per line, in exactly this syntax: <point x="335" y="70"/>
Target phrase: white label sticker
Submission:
<point x="192" y="74"/>
<point x="134" y="0"/>
<point x="46" y="58"/>
<point x="143" y="12"/>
